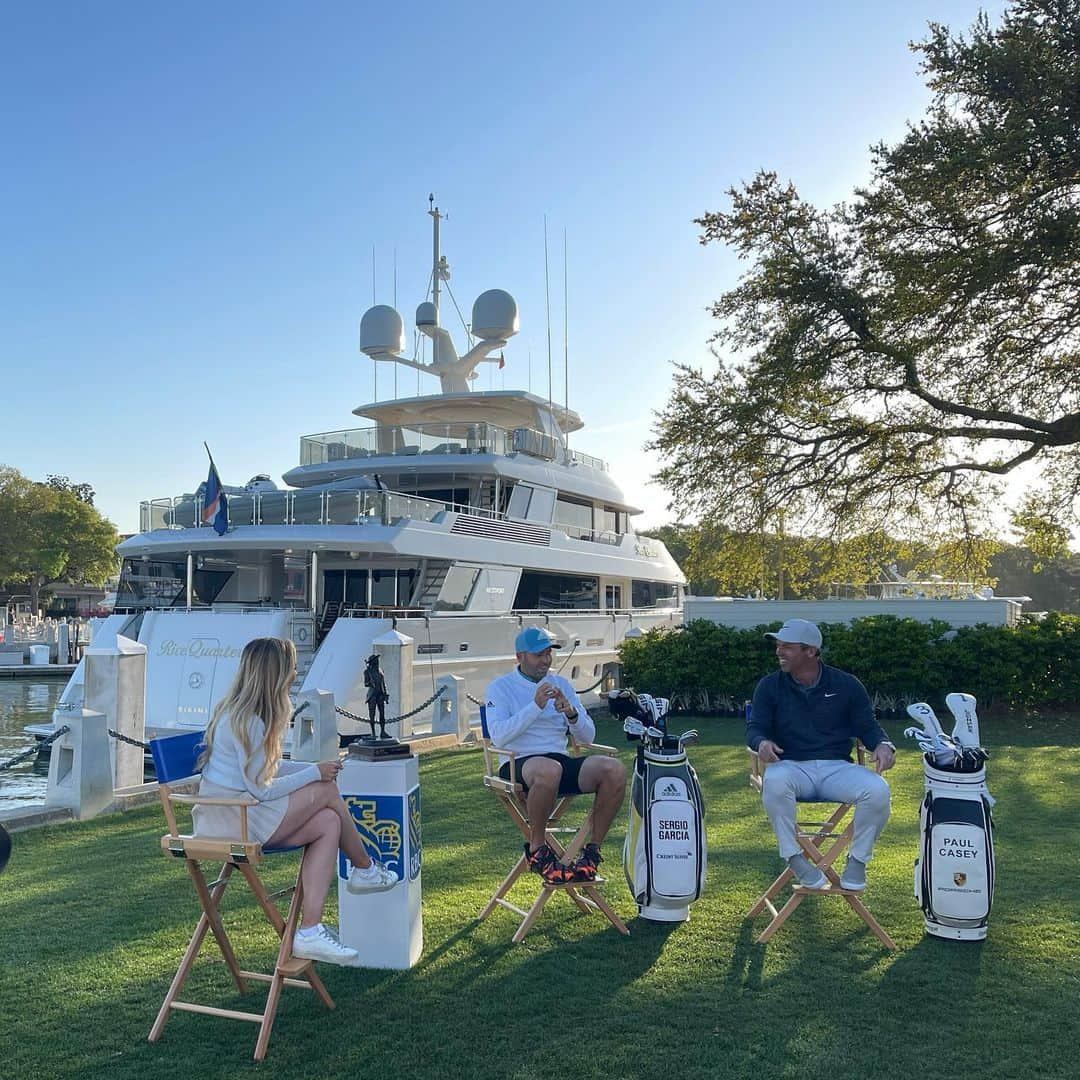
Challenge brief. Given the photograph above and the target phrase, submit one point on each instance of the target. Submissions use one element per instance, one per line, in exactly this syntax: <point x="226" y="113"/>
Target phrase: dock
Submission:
<point x="36" y="671"/>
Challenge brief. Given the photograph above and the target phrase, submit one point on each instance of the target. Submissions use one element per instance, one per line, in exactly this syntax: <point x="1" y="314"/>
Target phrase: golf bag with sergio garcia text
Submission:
<point x="954" y="874"/>
<point x="664" y="855"/>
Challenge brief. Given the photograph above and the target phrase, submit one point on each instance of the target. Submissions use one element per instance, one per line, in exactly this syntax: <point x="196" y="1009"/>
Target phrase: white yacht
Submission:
<point x="453" y="518"/>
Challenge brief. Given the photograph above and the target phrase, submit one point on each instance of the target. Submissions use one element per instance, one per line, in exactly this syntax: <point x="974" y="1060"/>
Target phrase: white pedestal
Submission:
<point x="384" y="800"/>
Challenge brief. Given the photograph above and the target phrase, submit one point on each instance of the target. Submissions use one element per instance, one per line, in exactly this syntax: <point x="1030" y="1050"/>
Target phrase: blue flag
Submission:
<point x="215" y="503"/>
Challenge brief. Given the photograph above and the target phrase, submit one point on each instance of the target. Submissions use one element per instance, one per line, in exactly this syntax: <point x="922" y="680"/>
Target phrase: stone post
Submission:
<point x="448" y="713"/>
<point x="80" y="772"/>
<point x="116" y="686"/>
<point x="315" y="731"/>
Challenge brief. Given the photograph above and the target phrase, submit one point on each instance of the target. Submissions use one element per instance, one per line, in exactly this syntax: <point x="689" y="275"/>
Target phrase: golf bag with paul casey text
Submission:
<point x="954" y="874"/>
<point x="664" y="856"/>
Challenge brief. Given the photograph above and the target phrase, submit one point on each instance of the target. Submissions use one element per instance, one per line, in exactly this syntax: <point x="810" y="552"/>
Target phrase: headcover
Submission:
<point x="644" y="707"/>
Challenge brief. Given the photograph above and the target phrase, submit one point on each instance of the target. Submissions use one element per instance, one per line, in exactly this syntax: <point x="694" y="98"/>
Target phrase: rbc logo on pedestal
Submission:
<point x="381" y="822"/>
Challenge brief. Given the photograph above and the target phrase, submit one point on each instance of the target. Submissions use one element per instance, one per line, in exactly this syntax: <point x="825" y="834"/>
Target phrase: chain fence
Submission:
<point x="34" y="750"/>
<point x="392" y="719"/>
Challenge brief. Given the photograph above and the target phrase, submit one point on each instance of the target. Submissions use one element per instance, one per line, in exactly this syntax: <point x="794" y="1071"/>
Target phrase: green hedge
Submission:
<point x="705" y="667"/>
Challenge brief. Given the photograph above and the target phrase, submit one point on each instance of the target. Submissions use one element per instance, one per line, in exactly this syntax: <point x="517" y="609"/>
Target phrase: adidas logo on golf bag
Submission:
<point x="670" y="791"/>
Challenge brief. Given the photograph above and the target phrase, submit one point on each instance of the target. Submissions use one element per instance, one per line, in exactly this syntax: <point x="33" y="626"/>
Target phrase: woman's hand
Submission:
<point x="328" y="771"/>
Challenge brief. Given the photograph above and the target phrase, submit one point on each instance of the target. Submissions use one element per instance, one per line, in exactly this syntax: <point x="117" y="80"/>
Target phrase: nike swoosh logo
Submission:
<point x="833" y="694"/>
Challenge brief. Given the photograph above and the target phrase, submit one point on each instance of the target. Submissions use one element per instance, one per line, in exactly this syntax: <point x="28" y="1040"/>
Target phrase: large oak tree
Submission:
<point x="887" y="361"/>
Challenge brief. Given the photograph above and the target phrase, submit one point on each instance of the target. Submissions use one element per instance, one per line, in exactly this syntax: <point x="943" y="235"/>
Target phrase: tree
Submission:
<point x="720" y="561"/>
<point x="83" y="492"/>
<point x="886" y="362"/>
<point x="51" y="533"/>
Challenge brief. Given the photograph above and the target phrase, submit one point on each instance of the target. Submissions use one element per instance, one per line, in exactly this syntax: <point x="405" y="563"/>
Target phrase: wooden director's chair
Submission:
<point x="174" y="759"/>
<point x="822" y="842"/>
<point x="511" y="796"/>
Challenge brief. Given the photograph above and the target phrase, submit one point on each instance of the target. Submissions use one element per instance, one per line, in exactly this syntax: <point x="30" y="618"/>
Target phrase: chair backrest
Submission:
<point x="176" y="756"/>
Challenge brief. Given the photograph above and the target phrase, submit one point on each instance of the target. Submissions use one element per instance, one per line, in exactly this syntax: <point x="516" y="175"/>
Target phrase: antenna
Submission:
<point x="547" y="301"/>
<point x="395" y="308"/>
<point x="566" y="342"/>
<point x="372" y="275"/>
<point x="436" y="277"/>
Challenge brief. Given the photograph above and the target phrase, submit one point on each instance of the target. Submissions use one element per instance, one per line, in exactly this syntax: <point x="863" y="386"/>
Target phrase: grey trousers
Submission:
<point x="788" y="782"/>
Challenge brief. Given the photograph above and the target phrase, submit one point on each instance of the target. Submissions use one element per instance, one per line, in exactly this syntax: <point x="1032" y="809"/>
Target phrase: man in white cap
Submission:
<point x="533" y="713"/>
<point x="802" y="722"/>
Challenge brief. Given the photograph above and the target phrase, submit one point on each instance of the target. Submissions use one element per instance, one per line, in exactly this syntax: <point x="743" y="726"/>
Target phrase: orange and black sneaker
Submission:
<point x="587" y="863"/>
<point x="545" y="862"/>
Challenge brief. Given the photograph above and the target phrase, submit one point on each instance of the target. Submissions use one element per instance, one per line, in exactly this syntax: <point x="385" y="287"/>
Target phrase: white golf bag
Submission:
<point x="954" y="874"/>
<point x="664" y="856"/>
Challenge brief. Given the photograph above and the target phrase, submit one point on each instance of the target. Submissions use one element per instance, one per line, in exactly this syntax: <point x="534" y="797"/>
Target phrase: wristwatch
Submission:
<point x="890" y="745"/>
<point x="572" y="717"/>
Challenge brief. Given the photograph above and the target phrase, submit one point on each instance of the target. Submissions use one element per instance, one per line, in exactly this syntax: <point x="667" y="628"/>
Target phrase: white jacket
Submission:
<point x="515" y="722"/>
<point x="229" y="768"/>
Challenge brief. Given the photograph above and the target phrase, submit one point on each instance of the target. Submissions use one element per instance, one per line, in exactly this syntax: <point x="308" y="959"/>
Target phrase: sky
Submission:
<point x="193" y="195"/>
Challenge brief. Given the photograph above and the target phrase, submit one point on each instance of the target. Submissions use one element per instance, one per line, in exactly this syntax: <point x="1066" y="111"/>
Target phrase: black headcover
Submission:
<point x="626" y="704"/>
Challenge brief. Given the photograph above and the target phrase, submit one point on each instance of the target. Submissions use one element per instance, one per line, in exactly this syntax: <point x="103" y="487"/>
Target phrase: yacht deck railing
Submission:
<point x="302" y="508"/>
<point x="457" y="438"/>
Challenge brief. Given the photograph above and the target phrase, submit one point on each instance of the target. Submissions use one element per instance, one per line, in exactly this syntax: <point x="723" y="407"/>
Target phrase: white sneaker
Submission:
<point x="373" y="878"/>
<point x="321" y="943"/>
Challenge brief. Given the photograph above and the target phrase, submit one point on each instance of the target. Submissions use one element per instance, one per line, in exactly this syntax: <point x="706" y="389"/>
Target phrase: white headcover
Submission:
<point x="966" y="731"/>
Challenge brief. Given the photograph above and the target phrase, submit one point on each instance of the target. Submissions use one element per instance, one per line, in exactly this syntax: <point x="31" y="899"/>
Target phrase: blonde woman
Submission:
<point x="298" y="803"/>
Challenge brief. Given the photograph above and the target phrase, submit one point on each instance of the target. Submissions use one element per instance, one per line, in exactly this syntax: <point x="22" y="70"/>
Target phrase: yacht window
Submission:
<point x="541" y="592"/>
<point x="575" y="518"/>
<point x="457" y="588"/>
<point x="653" y="594"/>
<point x="611" y="520"/>
<point x="384" y="588"/>
<point x="355" y="587"/>
<point x="152" y="583"/>
<point x="457" y="496"/>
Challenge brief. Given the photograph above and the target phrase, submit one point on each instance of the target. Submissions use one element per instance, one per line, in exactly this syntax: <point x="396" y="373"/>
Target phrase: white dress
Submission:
<point x="228" y="775"/>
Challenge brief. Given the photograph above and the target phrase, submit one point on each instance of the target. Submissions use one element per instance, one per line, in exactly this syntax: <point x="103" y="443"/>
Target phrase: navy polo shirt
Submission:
<point x="813" y="722"/>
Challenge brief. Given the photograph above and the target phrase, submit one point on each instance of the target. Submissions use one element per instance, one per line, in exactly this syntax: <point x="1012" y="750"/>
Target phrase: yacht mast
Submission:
<point x="436" y="275"/>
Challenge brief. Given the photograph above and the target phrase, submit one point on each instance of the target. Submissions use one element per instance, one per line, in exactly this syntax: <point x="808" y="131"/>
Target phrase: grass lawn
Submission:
<point x="94" y="920"/>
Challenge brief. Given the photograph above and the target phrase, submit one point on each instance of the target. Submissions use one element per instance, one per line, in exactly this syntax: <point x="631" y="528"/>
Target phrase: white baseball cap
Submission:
<point x="798" y="632"/>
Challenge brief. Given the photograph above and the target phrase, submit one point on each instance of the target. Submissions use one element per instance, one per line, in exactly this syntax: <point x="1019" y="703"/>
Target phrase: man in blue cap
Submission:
<point x="802" y="722"/>
<point x="533" y="712"/>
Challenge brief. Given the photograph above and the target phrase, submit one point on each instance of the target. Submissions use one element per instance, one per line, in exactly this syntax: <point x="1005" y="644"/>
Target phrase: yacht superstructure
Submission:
<point x="453" y="518"/>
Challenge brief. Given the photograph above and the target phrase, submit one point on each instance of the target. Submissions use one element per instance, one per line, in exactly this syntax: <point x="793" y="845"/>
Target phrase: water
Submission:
<point x="22" y="702"/>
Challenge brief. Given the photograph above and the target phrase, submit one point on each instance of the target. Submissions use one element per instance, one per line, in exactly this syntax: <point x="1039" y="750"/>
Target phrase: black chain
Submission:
<point x="392" y="719"/>
<point x="26" y="755"/>
<point x="131" y="742"/>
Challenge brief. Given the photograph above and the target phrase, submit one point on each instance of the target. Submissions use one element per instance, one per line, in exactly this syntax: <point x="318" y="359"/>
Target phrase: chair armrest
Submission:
<point x="600" y="748"/>
<point x="757" y="769"/>
<point x="209" y="800"/>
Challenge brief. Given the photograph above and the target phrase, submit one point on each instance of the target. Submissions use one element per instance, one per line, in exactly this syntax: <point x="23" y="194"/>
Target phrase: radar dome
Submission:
<point x="381" y="331"/>
<point x="495" y="315"/>
<point x="425" y="314"/>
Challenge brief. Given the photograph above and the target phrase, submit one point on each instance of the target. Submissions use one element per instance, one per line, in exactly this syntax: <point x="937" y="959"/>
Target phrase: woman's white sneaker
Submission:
<point x="320" y="943"/>
<point x="373" y="878"/>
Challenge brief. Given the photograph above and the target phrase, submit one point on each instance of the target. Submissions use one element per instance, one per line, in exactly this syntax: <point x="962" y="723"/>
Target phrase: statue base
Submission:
<point x="368" y="749"/>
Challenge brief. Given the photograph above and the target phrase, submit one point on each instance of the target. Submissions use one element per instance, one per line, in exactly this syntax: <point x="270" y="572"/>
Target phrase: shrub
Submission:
<point x="707" y="667"/>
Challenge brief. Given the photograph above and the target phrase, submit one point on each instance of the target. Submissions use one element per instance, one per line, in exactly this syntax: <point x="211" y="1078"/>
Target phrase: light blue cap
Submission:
<point x="534" y="639"/>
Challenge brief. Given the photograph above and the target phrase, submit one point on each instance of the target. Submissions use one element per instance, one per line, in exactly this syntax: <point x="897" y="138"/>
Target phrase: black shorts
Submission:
<point x="571" y="769"/>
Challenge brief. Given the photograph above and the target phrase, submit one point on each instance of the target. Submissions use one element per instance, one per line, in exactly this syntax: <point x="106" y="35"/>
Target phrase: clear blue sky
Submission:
<point x="192" y="193"/>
